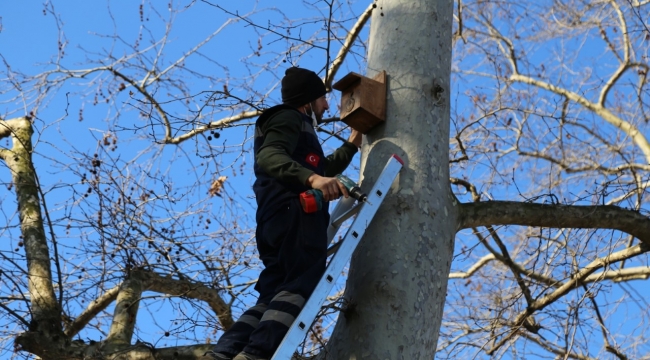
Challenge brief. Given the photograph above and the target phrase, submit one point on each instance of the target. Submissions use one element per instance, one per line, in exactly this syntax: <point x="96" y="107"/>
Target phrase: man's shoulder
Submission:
<point x="279" y="114"/>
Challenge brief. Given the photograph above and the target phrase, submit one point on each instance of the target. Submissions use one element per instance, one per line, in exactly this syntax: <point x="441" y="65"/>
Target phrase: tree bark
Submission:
<point x="126" y="311"/>
<point x="44" y="307"/>
<point x="46" y="337"/>
<point x="555" y="216"/>
<point x="398" y="276"/>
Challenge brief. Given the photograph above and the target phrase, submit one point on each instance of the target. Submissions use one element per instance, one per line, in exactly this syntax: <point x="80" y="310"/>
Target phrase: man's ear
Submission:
<point x="308" y="110"/>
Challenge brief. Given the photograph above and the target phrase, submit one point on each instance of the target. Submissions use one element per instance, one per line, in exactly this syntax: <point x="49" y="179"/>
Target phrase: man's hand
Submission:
<point x="331" y="187"/>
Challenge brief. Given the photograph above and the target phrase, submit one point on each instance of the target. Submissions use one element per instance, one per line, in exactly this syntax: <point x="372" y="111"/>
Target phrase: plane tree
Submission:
<point x="520" y="211"/>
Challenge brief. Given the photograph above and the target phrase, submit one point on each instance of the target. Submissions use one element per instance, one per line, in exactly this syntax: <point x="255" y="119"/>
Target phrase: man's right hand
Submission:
<point x="331" y="187"/>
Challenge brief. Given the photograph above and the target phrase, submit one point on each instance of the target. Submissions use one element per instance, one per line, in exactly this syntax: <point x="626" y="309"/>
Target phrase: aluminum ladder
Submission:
<point x="342" y="253"/>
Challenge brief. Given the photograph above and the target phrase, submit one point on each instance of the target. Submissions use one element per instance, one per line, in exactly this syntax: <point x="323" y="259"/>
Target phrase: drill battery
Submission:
<point x="312" y="200"/>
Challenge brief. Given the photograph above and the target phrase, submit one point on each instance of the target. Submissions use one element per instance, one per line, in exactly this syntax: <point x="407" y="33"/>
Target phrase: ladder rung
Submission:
<point x="332" y="249"/>
<point x="365" y="212"/>
<point x="348" y="214"/>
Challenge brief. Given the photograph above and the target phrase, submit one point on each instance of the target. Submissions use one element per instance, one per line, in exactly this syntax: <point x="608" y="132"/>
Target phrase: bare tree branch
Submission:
<point x="44" y="305"/>
<point x="638" y="3"/>
<point x="625" y="63"/>
<point x="5" y="128"/>
<point x="474" y="268"/>
<point x="225" y="122"/>
<point x="576" y="281"/>
<point x="267" y="28"/>
<point x="603" y="328"/>
<point x="556" y="216"/>
<point x="192" y="290"/>
<point x="629" y="129"/>
<point x="507" y="260"/>
<point x="77" y="350"/>
<point x="14" y="314"/>
<point x="147" y="81"/>
<point x="352" y="36"/>
<point x="635" y="273"/>
<point x="126" y="311"/>
<point x="578" y="278"/>
<point x="553" y="348"/>
<point x="98" y="305"/>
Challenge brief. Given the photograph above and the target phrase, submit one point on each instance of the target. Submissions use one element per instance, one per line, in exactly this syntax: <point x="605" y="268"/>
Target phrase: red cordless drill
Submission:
<point x="312" y="200"/>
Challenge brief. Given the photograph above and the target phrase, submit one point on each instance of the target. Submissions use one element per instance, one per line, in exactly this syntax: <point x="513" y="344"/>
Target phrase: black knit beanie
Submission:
<point x="301" y="86"/>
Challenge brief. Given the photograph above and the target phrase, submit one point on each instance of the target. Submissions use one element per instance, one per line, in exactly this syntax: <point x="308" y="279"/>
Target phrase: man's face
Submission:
<point x="319" y="106"/>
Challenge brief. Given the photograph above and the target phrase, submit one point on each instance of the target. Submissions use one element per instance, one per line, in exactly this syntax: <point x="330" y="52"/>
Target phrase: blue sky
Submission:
<point x="70" y="124"/>
<point x="74" y="119"/>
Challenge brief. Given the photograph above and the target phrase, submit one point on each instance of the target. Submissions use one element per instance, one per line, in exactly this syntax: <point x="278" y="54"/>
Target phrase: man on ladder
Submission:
<point x="292" y="244"/>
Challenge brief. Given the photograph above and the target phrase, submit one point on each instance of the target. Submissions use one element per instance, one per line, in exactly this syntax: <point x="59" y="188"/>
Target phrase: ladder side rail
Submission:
<point x="301" y="325"/>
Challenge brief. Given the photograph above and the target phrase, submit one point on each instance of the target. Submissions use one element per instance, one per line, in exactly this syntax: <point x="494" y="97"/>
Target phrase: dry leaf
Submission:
<point x="217" y="185"/>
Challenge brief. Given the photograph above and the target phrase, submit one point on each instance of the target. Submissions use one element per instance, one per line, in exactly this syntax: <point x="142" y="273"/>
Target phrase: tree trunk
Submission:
<point x="398" y="276"/>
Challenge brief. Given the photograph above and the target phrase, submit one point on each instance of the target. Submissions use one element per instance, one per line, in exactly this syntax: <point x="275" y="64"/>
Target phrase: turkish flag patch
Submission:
<point x="312" y="159"/>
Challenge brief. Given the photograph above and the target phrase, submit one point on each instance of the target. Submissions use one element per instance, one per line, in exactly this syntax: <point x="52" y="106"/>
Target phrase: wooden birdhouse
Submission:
<point x="363" y="100"/>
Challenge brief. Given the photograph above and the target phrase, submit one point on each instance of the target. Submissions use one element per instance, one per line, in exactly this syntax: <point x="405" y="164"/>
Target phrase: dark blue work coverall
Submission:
<point x="291" y="243"/>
